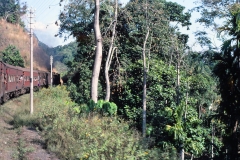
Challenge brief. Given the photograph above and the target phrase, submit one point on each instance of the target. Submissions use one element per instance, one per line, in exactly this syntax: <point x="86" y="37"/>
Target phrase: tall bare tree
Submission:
<point x="145" y="70"/>
<point x="110" y="52"/>
<point x="98" y="53"/>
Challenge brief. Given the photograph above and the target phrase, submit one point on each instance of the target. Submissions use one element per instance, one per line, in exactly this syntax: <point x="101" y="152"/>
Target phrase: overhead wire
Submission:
<point x="44" y="9"/>
<point x="39" y="5"/>
<point x="44" y="12"/>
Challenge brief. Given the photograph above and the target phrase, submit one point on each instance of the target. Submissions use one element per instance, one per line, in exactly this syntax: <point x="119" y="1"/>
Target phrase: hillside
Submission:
<point x="11" y="34"/>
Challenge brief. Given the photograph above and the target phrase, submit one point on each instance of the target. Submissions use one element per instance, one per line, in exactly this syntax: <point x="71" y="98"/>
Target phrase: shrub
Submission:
<point x="11" y="55"/>
<point x="102" y="107"/>
<point x="94" y="137"/>
<point x="75" y="136"/>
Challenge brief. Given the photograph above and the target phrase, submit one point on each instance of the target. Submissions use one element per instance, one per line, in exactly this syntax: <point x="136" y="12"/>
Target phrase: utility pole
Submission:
<point x="51" y="62"/>
<point x="31" y="61"/>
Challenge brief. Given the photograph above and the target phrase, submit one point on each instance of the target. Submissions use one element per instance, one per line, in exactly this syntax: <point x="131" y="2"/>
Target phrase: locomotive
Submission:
<point x="15" y="80"/>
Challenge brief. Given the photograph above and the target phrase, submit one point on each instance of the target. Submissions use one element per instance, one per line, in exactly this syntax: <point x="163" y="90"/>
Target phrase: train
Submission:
<point x="15" y="81"/>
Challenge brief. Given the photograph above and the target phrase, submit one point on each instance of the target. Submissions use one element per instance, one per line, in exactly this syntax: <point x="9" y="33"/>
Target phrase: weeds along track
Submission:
<point x="18" y="143"/>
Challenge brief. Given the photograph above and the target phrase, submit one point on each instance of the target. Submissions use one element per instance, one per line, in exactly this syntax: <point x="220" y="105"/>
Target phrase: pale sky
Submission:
<point x="47" y="11"/>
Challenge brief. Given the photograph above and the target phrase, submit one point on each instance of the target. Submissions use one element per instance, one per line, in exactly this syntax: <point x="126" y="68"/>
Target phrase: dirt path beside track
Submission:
<point x="20" y="143"/>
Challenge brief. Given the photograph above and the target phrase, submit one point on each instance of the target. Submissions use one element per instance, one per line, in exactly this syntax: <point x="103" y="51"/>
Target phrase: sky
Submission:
<point x="47" y="11"/>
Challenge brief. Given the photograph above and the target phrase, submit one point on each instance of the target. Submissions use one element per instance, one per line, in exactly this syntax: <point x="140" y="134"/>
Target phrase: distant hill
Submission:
<point x="62" y="55"/>
<point x="13" y="34"/>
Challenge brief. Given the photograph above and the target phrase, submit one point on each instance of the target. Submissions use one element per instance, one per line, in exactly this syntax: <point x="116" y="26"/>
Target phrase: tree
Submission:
<point x="11" y="55"/>
<point x="227" y="65"/>
<point x="98" y="53"/>
<point x="213" y="13"/>
<point x="11" y="11"/>
<point x="78" y="20"/>
<point x="111" y="51"/>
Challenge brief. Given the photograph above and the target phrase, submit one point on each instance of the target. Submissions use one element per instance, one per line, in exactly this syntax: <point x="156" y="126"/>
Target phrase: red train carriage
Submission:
<point x="16" y="80"/>
<point x="9" y="81"/>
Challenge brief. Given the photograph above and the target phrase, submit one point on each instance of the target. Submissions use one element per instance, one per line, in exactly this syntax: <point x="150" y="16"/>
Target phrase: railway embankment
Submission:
<point x="20" y="142"/>
<point x="12" y="34"/>
<point x="69" y="130"/>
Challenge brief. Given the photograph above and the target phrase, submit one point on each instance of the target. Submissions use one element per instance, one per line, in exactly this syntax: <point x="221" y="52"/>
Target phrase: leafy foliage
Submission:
<point x="12" y="56"/>
<point x="11" y="10"/>
<point x="102" y="107"/>
<point x="187" y="130"/>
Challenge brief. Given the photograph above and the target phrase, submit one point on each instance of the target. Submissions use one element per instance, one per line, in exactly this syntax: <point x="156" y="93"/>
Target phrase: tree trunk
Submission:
<point x="186" y="103"/>
<point x="182" y="154"/>
<point x="178" y="78"/>
<point x="110" y="53"/>
<point x="212" y="155"/>
<point x="234" y="138"/>
<point x="98" y="53"/>
<point x="178" y="99"/>
<point x="144" y="84"/>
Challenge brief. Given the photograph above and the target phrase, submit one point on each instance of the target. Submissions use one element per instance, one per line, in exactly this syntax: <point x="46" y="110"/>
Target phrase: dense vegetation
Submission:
<point x="180" y="83"/>
<point x="104" y="136"/>
<point x="164" y="98"/>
